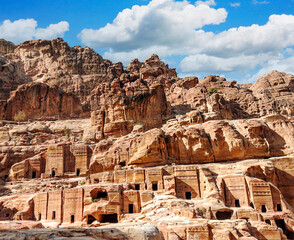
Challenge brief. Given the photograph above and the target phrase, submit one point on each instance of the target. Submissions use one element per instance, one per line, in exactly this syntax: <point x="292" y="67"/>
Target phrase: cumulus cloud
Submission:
<point x="161" y="22"/>
<point x="274" y="36"/>
<point x="175" y="29"/>
<point x="207" y="2"/>
<point x="25" y="29"/>
<point x="237" y="4"/>
<point x="279" y="63"/>
<point x="260" y="2"/>
<point x="203" y="63"/>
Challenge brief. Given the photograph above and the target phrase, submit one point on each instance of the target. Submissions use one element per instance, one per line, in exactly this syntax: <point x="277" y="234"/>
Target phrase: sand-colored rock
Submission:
<point x="40" y="101"/>
<point x="139" y="153"/>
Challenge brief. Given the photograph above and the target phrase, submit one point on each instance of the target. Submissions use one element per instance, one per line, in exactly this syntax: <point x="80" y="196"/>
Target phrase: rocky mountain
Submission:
<point x="139" y="153"/>
<point x="6" y="47"/>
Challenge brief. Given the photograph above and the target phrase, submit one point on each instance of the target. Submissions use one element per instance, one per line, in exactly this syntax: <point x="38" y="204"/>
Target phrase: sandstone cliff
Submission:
<point x="40" y="101"/>
<point x="85" y="143"/>
<point x="74" y="69"/>
<point x="6" y="47"/>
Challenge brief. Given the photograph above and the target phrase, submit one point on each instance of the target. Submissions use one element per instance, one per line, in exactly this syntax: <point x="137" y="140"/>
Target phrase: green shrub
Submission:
<point x="212" y="90"/>
<point x="138" y="124"/>
<point x="95" y="200"/>
<point x="67" y="132"/>
<point x="20" y="116"/>
<point x="202" y="210"/>
<point x="82" y="183"/>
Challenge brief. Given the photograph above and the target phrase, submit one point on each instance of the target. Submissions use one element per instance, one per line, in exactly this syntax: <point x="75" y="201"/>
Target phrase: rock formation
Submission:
<point x="6" y="47"/>
<point x="40" y="101"/>
<point x="139" y="153"/>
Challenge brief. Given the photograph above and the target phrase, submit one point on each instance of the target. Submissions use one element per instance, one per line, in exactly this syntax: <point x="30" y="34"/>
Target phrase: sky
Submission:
<point x="238" y="39"/>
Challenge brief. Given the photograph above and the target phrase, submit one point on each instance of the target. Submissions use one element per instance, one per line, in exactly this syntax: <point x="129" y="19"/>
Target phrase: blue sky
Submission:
<point x="240" y="40"/>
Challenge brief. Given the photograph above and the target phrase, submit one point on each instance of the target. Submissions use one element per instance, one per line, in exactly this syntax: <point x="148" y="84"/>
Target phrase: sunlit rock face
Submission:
<point x="139" y="153"/>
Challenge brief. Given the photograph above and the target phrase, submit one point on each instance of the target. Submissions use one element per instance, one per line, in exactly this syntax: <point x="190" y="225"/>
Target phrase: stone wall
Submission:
<point x="125" y="191"/>
<point x="236" y="191"/>
<point x="73" y="205"/>
<point x="55" y="206"/>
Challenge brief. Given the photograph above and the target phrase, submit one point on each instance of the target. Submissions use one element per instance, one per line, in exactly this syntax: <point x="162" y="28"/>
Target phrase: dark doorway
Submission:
<point x="78" y="172"/>
<point x="279" y="207"/>
<point x="111" y="218"/>
<point x="53" y="215"/>
<point x="34" y="174"/>
<point x="7" y="215"/>
<point x="72" y="218"/>
<point x="5" y="177"/>
<point x="40" y="216"/>
<point x="91" y="219"/>
<point x="223" y="215"/>
<point x="237" y="203"/>
<point x="188" y="195"/>
<point x="154" y="186"/>
<point x="137" y="186"/>
<point x="123" y="164"/>
<point x="268" y="222"/>
<point x="96" y="180"/>
<point x="101" y="195"/>
<point x="281" y="224"/>
<point x="263" y="208"/>
<point x="53" y="173"/>
<point x="131" y="208"/>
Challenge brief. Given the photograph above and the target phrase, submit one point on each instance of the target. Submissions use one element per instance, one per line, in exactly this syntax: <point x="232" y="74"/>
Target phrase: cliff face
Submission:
<point x="40" y="101"/>
<point x="6" y="47"/>
<point x="85" y="142"/>
<point x="74" y="69"/>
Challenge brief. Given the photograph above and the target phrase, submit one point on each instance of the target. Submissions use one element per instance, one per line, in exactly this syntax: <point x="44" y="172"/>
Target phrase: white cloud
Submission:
<point x="256" y="2"/>
<point x="173" y="29"/>
<point x="26" y="29"/>
<point x="274" y="36"/>
<point x="281" y="63"/>
<point x="202" y="63"/>
<point x="161" y="22"/>
<point x="237" y="4"/>
<point x="207" y="2"/>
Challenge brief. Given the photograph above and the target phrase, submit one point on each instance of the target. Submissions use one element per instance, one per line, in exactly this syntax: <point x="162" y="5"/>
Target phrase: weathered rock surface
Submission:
<point x="6" y="47"/>
<point x="214" y="141"/>
<point x="40" y="101"/>
<point x="160" y="157"/>
<point x="74" y="69"/>
<point x="11" y="76"/>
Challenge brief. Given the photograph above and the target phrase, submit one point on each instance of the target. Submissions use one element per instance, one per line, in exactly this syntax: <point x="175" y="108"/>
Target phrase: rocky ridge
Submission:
<point x="166" y="157"/>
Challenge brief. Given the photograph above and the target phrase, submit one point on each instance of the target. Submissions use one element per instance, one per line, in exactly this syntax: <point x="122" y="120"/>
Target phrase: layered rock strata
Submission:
<point x="139" y="152"/>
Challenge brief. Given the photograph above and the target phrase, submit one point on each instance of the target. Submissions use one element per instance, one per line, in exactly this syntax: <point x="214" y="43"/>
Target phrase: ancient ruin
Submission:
<point x="139" y="153"/>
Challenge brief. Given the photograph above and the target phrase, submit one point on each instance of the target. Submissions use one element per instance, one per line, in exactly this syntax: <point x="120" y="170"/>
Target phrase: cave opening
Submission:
<point x="188" y="195"/>
<point x="110" y="218"/>
<point x="263" y="208"/>
<point x="131" y="208"/>
<point x="223" y="215"/>
<point x="279" y="207"/>
<point x="154" y="186"/>
<point x="91" y="219"/>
